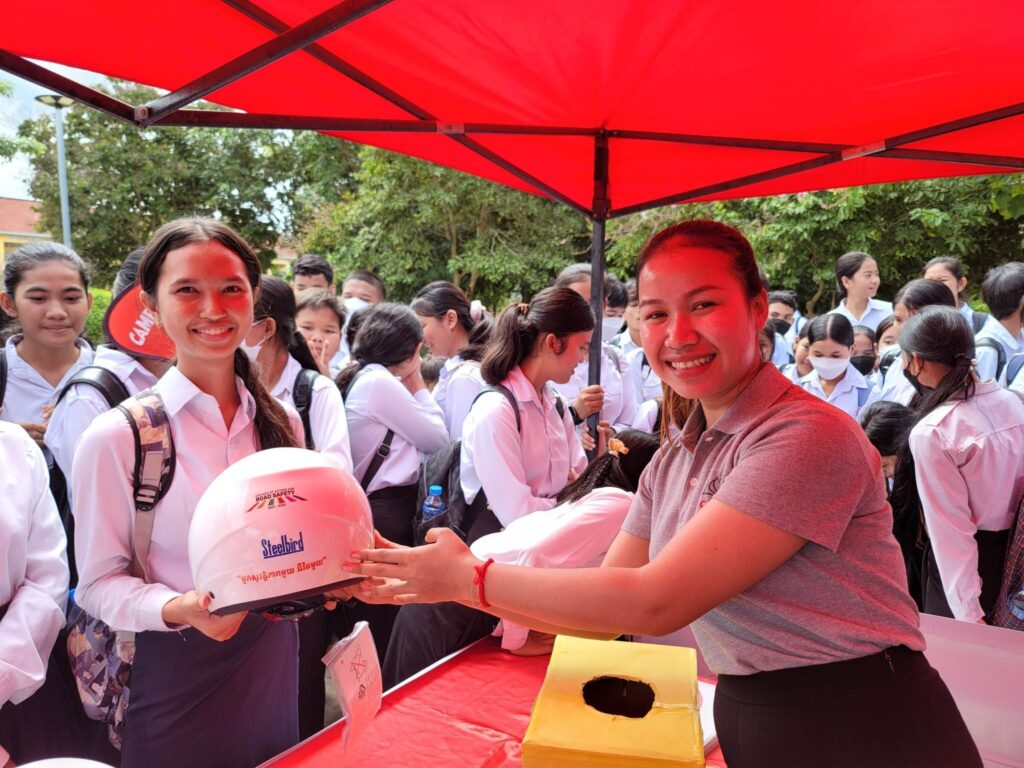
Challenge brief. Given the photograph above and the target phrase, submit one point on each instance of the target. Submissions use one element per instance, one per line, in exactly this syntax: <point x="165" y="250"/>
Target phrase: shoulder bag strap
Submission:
<point x="507" y="394"/>
<point x="302" y="396"/>
<point x="111" y="387"/>
<point x="3" y="374"/>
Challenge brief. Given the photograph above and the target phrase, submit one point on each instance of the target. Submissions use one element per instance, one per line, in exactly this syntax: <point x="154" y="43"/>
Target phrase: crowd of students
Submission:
<point x="381" y="386"/>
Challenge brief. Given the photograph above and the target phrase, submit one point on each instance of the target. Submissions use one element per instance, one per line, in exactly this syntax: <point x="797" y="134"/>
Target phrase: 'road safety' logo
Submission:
<point x="274" y="499"/>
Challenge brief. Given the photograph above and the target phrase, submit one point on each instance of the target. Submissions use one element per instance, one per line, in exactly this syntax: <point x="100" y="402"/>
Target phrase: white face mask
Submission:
<point x="610" y="326"/>
<point x="354" y="303"/>
<point x="829" y="368"/>
<point x="252" y="351"/>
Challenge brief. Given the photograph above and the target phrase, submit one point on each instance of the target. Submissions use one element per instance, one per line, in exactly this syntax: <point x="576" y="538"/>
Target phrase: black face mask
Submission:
<point x="780" y="326"/>
<point x="921" y="389"/>
<point x="863" y="363"/>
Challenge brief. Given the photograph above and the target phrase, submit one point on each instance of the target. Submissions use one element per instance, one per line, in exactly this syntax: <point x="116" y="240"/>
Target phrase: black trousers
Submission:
<point x="991" y="559"/>
<point x="392" y="510"/>
<point x="888" y="710"/>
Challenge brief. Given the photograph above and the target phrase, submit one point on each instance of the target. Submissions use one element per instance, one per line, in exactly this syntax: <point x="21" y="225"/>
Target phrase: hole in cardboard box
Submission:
<point x="616" y="696"/>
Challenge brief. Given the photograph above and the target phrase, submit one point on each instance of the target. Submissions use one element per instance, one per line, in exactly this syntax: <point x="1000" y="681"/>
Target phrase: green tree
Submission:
<point x="414" y="222"/>
<point x="124" y="182"/>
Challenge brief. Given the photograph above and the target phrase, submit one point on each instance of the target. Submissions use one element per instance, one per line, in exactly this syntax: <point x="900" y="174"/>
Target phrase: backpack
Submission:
<point x="991" y="343"/>
<point x="978" y="320"/>
<point x="383" y="450"/>
<point x="1013" y="366"/>
<point x="444" y="468"/>
<point x="886" y="361"/>
<point x="302" y="397"/>
<point x="101" y="657"/>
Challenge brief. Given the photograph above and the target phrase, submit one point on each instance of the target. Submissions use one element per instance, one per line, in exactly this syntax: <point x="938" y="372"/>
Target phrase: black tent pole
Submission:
<point x="600" y="213"/>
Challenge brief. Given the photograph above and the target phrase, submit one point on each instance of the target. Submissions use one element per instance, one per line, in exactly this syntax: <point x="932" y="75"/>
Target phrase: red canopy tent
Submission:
<point x="607" y="107"/>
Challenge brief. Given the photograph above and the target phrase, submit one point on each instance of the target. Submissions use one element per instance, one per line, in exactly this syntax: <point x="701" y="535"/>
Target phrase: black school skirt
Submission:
<point x="888" y="710"/>
<point x="991" y="559"/>
<point x="198" y="702"/>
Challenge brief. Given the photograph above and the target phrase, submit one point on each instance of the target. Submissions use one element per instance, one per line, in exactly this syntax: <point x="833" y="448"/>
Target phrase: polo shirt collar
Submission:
<point x="764" y="389"/>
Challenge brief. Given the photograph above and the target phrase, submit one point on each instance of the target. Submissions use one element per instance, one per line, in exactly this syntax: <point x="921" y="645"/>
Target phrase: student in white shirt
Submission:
<point x="864" y="356"/>
<point x="1003" y="291"/>
<point x="385" y="394"/>
<point x="40" y="715"/>
<point x="614" y="398"/>
<point x="200" y="681"/>
<point x="968" y="449"/>
<point x="456" y="329"/>
<point x="46" y="290"/>
<point x="282" y="353"/>
<point x="950" y="271"/>
<point x="801" y="365"/>
<point x="910" y="299"/>
<point x="576" y="533"/>
<point x="82" y="403"/>
<point x="857" y="282"/>
<point x="834" y="378"/>
<point x="628" y="340"/>
<point x="320" y="318"/>
<point x="521" y="470"/>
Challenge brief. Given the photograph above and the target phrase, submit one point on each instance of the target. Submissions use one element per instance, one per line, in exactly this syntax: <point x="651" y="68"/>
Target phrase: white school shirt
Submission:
<point x="83" y="403"/>
<point x="876" y="311"/>
<point x="377" y="402"/>
<point x="34" y="566"/>
<point x="101" y="477"/>
<point x="896" y="387"/>
<point x="987" y="358"/>
<point x="624" y="343"/>
<point x="647" y="416"/>
<point x="27" y="390"/>
<point x="969" y="464"/>
<point x="575" y="534"/>
<point x="327" y="421"/>
<point x="646" y="383"/>
<point x="846" y="394"/>
<point x="620" y="399"/>
<point x="458" y="385"/>
<point x="520" y="471"/>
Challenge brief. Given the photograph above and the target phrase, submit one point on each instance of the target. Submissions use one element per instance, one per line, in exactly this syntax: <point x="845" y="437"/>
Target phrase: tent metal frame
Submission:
<point x="169" y="110"/>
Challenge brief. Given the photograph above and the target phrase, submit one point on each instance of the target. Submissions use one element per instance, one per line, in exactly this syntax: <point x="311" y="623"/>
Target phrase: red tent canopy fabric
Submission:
<point x="679" y="101"/>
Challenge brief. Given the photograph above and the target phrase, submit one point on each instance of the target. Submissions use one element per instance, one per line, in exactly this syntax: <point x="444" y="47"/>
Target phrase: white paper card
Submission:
<point x="355" y="669"/>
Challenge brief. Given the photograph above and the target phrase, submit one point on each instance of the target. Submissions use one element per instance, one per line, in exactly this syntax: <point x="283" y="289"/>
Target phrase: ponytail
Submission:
<point x="439" y="297"/>
<point x="273" y="428"/>
<point x="388" y="334"/>
<point x="940" y="334"/>
<point x="613" y="470"/>
<point x="559" y="311"/>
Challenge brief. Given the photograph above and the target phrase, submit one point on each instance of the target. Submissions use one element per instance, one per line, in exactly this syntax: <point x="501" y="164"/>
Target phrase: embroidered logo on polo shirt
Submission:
<point x="710" y="491"/>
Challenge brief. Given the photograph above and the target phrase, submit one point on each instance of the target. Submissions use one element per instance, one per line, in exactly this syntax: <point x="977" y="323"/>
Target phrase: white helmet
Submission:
<point x="274" y="528"/>
<point x="64" y="762"/>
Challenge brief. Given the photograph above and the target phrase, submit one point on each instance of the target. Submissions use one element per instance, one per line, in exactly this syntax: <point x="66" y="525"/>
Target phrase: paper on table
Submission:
<point x="355" y="669"/>
<point x="707" y="714"/>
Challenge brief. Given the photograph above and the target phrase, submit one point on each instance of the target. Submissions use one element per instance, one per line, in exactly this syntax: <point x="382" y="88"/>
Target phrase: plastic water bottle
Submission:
<point x="434" y="504"/>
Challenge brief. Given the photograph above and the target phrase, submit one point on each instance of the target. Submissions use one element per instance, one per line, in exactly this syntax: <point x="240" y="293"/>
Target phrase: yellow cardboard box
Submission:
<point x="566" y="730"/>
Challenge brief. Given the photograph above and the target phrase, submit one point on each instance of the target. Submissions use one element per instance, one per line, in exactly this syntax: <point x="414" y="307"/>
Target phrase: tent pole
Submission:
<point x="600" y="213"/>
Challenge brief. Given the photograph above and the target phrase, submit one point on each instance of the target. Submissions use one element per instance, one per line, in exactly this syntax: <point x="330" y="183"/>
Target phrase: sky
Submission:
<point x="21" y="106"/>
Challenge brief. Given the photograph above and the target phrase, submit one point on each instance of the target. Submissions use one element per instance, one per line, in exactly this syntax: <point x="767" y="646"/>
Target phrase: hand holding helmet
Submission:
<point x="192" y="609"/>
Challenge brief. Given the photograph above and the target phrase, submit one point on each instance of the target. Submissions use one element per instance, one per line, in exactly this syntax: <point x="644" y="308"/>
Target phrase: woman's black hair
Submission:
<point x="884" y="326"/>
<point x="617" y="293"/>
<point x="577" y="273"/>
<point x="560" y="311"/>
<point x="802" y="333"/>
<point x="32" y="255"/>
<point x="277" y="302"/>
<point x="831" y="327"/>
<point x="355" y="322"/>
<point x="128" y="273"/>
<point x="847" y="266"/>
<point x="1003" y="289"/>
<point x="272" y="426"/>
<point x="388" y="335"/>
<point x="863" y="330"/>
<point x="440" y="296"/>
<point x="920" y="293"/>
<point x="611" y="470"/>
<point x="887" y="426"/>
<point x="703" y="233"/>
<point x="949" y="263"/>
<point x="942" y="335"/>
<point x="766" y="340"/>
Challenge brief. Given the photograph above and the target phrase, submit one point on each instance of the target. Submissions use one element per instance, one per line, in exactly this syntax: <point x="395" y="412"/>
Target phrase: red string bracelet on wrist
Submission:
<point x="478" y="580"/>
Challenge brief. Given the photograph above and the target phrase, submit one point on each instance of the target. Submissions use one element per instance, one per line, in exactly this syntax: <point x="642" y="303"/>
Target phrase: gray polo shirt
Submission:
<point x="785" y="457"/>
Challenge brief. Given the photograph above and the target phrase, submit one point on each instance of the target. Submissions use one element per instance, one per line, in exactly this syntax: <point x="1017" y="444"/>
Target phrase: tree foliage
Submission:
<point x="124" y="182"/>
<point x="414" y="222"/>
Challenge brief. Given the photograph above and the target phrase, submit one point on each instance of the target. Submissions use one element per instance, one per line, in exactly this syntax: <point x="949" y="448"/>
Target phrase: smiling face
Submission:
<point x="698" y="326"/>
<point x="204" y="302"/>
<point x="51" y="304"/>
<point x="865" y="281"/>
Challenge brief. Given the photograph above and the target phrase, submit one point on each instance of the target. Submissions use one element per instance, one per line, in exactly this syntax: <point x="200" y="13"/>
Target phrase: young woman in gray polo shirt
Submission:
<point x="796" y="592"/>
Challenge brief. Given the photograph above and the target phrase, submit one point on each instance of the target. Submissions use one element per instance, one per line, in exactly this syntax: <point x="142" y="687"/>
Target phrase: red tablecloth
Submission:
<point x="470" y="711"/>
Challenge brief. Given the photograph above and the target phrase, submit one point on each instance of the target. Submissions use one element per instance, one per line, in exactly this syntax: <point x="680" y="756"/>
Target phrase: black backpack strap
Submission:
<point x="111" y="387"/>
<point x="1013" y="366"/>
<point x="507" y="394"/>
<point x="3" y="374"/>
<point x="302" y="396"/>
<point x="383" y="450"/>
<point x="991" y="343"/>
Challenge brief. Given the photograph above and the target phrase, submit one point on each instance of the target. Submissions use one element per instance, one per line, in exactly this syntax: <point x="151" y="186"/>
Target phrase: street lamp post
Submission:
<point x="58" y="103"/>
